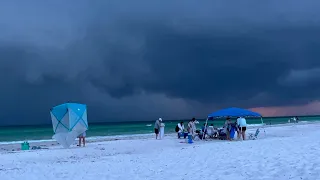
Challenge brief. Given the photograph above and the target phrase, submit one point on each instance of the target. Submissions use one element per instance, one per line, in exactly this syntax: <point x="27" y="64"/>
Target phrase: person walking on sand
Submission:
<point x="82" y="137"/>
<point x="242" y="124"/>
<point x="238" y="128"/>
<point x="157" y="127"/>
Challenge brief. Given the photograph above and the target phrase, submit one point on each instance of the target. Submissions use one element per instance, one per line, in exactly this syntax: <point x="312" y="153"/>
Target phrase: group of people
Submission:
<point x="294" y="120"/>
<point x="191" y="128"/>
<point x="229" y="128"/>
<point x="239" y="126"/>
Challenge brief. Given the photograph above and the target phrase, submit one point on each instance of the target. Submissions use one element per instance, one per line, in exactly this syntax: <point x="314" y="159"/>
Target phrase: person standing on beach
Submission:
<point x="189" y="129"/>
<point x="238" y="128"/>
<point x="227" y="127"/>
<point x="82" y="137"/>
<point x="157" y="127"/>
<point x="242" y="124"/>
<point x="192" y="127"/>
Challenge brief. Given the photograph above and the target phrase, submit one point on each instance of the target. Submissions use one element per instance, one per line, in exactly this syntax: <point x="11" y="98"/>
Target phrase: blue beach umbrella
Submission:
<point x="69" y="120"/>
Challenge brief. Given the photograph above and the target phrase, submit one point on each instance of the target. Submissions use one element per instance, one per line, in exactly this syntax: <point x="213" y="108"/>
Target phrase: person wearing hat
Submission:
<point x="157" y="127"/>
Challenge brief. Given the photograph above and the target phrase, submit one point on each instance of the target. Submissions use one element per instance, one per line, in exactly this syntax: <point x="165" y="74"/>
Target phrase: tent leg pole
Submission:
<point x="265" y="134"/>
<point x="205" y="127"/>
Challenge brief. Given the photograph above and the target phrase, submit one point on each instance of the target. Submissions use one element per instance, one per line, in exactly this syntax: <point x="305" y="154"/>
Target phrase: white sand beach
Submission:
<point x="284" y="152"/>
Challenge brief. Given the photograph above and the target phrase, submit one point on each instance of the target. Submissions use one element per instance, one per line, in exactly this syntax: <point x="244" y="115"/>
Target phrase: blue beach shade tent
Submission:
<point x="69" y="120"/>
<point x="233" y="112"/>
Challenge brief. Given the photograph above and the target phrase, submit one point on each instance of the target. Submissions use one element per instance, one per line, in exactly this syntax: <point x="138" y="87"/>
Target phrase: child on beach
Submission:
<point x="82" y="137"/>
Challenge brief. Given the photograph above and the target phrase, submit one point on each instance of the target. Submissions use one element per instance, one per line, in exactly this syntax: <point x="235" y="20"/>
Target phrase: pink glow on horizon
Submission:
<point x="312" y="108"/>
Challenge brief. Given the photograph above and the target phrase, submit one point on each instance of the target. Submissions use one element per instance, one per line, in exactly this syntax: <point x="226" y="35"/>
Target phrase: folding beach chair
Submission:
<point x="210" y="131"/>
<point x="199" y="135"/>
<point x="254" y="136"/>
<point x="222" y="135"/>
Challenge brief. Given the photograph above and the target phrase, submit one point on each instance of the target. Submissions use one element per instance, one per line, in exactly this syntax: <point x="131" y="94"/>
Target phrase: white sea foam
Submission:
<point x="30" y="141"/>
<point x="93" y="138"/>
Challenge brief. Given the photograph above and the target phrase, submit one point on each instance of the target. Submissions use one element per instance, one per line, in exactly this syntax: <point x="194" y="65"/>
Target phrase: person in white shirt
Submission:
<point x="242" y="125"/>
<point x="157" y="127"/>
<point x="192" y="127"/>
<point x="238" y="128"/>
<point x="181" y="129"/>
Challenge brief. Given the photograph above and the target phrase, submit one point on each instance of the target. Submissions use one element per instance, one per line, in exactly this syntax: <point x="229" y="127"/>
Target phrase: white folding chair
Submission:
<point x="254" y="136"/>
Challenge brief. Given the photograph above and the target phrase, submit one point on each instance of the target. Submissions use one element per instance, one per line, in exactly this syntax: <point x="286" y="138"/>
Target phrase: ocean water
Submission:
<point x="45" y="132"/>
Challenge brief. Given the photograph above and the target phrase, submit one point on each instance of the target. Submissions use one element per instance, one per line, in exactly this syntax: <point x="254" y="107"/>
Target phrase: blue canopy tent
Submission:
<point x="233" y="112"/>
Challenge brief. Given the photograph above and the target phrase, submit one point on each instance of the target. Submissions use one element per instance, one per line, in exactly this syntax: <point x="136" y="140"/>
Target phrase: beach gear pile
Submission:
<point x="25" y="146"/>
<point x="69" y="120"/>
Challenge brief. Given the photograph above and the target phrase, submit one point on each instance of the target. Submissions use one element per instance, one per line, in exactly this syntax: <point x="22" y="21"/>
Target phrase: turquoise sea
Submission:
<point x="44" y="132"/>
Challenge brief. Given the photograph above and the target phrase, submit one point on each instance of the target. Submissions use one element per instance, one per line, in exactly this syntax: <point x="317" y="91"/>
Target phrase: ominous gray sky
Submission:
<point x="140" y="60"/>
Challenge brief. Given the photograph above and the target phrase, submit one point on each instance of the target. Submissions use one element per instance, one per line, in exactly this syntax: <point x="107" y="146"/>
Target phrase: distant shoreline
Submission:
<point x="131" y="136"/>
<point x="146" y="121"/>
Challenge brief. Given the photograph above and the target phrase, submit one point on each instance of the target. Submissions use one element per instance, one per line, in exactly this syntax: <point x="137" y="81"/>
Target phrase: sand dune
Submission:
<point x="286" y="152"/>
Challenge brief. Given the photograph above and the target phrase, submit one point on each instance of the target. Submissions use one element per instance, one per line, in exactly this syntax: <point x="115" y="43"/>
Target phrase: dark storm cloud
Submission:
<point x="128" y="55"/>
